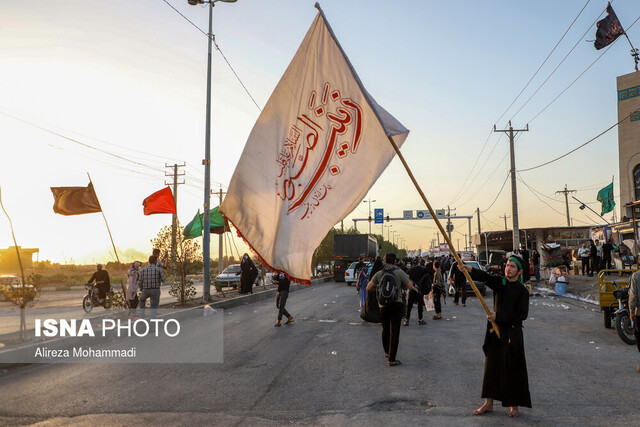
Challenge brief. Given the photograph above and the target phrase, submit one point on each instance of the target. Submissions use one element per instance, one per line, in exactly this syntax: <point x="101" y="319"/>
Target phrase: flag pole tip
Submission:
<point x="317" y="6"/>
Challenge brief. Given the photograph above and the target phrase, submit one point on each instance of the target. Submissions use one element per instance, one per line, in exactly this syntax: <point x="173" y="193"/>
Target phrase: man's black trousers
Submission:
<point x="416" y="298"/>
<point x="390" y="317"/>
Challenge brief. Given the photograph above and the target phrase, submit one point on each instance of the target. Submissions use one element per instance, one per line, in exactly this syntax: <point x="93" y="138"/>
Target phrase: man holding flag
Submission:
<point x="505" y="374"/>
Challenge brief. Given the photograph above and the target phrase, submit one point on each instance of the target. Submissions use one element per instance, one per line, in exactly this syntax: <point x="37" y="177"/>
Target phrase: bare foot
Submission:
<point x="484" y="408"/>
<point x="514" y="413"/>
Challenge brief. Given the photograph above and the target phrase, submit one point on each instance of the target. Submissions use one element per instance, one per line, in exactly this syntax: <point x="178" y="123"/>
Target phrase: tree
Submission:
<point x="324" y="252"/>
<point x="188" y="260"/>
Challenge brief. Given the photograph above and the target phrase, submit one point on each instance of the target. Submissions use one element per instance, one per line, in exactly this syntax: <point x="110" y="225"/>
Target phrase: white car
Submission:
<point x="230" y="276"/>
<point x="350" y="275"/>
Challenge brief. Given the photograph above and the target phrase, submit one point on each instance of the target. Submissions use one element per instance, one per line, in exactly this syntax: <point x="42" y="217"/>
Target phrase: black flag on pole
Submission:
<point x="609" y="29"/>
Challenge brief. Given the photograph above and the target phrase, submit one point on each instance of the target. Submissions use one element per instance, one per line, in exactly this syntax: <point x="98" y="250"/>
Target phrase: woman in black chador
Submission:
<point x="248" y="274"/>
<point x="505" y="372"/>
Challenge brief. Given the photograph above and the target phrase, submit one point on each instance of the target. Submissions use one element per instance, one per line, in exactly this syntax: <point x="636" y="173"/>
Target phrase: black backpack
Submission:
<point x="425" y="284"/>
<point x="387" y="290"/>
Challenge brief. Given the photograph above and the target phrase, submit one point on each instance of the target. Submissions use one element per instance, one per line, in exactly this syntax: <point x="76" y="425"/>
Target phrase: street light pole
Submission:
<point x="206" y="228"/>
<point x="369" y="201"/>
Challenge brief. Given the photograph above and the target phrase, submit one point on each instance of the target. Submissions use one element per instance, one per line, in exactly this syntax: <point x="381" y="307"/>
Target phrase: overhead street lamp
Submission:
<point x="369" y="201"/>
<point x="206" y="228"/>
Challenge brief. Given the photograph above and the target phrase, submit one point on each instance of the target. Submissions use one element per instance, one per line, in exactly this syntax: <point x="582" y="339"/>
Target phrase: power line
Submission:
<point x="510" y="105"/>
<point x="213" y="39"/>
<point x="527" y="185"/>
<point x="558" y="66"/>
<point x="580" y="146"/>
<point x="544" y="62"/>
<point x="497" y="195"/>
<point x="81" y="143"/>
<point x="581" y="74"/>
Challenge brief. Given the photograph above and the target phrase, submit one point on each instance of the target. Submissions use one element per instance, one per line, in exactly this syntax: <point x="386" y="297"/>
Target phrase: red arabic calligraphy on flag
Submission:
<point x="329" y="116"/>
<point x="318" y="146"/>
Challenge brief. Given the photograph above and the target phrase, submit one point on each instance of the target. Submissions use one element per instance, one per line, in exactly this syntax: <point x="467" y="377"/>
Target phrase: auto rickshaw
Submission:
<point x="608" y="303"/>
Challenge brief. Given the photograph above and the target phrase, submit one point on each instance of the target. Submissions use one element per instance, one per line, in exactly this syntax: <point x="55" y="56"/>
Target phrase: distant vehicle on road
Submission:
<point x="229" y="277"/>
<point x="350" y="274"/>
<point x="482" y="287"/>
<point x="347" y="248"/>
<point x="11" y="288"/>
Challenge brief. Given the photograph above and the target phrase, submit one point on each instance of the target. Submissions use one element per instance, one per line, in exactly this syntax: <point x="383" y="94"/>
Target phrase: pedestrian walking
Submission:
<point x="361" y="286"/>
<point x="524" y="253"/>
<point x="593" y="250"/>
<point x="607" y="248"/>
<point x="390" y="277"/>
<point x="438" y="290"/>
<point x="248" y="275"/>
<point x="283" y="282"/>
<point x="459" y="282"/>
<point x="418" y="275"/>
<point x="149" y="281"/>
<point x="535" y="260"/>
<point x="584" y="255"/>
<point x="599" y="254"/>
<point x="505" y="374"/>
<point x="634" y="304"/>
<point x="132" y="284"/>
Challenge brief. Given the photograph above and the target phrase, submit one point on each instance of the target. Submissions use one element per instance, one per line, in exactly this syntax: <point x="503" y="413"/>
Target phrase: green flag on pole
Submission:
<point x="217" y="224"/>
<point x="605" y="196"/>
<point x="194" y="228"/>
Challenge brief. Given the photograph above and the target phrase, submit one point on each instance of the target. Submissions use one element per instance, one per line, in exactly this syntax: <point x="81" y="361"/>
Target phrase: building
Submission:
<point x="9" y="258"/>
<point x="570" y="238"/>
<point x="629" y="137"/>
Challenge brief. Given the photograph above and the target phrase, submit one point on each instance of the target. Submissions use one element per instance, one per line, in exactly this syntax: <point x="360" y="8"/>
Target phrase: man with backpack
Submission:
<point x="388" y="285"/>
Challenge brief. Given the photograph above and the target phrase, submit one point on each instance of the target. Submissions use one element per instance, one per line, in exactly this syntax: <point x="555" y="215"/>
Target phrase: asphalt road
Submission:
<point x="328" y="368"/>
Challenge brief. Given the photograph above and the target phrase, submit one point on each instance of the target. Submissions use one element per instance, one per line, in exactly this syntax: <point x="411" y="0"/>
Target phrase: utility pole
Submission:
<point x="174" y="217"/>
<point x="566" y="201"/>
<point x="505" y="220"/>
<point x="221" y="242"/>
<point x="449" y="225"/>
<point x="479" y="229"/>
<point x="514" y="191"/>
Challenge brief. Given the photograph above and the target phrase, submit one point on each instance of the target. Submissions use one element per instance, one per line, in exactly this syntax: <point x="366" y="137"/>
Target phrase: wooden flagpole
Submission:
<point x="444" y="234"/>
<point x="406" y="166"/>
<point x="115" y="251"/>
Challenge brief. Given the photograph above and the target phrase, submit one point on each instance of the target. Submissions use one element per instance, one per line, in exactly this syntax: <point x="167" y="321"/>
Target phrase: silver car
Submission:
<point x="230" y="276"/>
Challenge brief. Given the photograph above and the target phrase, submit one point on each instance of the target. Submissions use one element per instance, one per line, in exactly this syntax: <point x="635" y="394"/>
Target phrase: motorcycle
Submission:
<point x="624" y="325"/>
<point x="92" y="298"/>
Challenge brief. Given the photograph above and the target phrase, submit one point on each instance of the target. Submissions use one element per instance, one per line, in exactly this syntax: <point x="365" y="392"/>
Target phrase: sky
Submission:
<point x="117" y="90"/>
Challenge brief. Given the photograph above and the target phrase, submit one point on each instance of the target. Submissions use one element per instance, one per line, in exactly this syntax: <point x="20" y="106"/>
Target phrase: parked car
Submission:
<point x="350" y="275"/>
<point x="11" y="288"/>
<point x="230" y="276"/>
<point x="482" y="287"/>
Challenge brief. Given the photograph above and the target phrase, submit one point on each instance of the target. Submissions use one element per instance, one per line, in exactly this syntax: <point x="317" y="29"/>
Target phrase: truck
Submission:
<point x="347" y="248"/>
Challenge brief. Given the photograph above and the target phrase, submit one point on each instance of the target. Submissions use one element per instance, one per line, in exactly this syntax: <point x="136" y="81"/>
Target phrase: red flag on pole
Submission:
<point x="160" y="202"/>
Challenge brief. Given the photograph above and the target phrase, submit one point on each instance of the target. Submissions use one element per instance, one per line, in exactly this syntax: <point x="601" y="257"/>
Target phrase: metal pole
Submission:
<point x="566" y="202"/>
<point x="206" y="234"/>
<point x="221" y="243"/>
<point x="174" y="217"/>
<point x="514" y="192"/>
<point x="470" y="242"/>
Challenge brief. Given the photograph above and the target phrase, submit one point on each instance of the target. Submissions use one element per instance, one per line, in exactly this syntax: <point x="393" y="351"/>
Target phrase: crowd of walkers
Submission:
<point x="421" y="282"/>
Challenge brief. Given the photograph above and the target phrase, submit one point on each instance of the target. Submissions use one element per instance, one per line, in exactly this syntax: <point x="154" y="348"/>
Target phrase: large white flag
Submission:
<point x="318" y="146"/>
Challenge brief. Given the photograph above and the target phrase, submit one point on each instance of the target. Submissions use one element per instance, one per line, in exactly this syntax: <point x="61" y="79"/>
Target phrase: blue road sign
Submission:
<point x="379" y="216"/>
